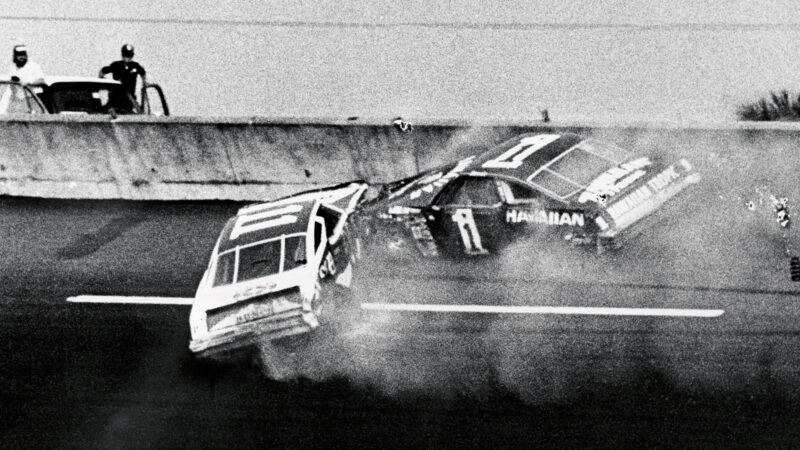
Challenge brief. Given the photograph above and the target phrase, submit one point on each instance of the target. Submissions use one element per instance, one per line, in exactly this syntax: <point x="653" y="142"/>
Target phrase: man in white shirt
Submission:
<point x="26" y="72"/>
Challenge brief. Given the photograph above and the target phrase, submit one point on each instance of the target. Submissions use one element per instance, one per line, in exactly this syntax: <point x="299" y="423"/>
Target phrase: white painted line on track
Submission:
<point x="418" y="307"/>
<point x="564" y="310"/>
<point x="133" y="300"/>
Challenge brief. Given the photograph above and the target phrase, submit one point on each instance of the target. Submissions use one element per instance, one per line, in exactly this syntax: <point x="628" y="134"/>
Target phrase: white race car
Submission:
<point x="278" y="270"/>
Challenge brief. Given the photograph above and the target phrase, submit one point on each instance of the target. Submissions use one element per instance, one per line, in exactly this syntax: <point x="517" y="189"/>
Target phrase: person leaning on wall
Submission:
<point x="25" y="71"/>
<point x="126" y="70"/>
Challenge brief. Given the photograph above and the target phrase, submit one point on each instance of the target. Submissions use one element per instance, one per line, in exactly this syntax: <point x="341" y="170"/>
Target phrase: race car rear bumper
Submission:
<point x="655" y="210"/>
<point x="234" y="341"/>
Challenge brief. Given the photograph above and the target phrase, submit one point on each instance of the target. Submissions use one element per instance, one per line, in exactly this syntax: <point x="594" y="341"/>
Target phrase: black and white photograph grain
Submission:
<point x="412" y="224"/>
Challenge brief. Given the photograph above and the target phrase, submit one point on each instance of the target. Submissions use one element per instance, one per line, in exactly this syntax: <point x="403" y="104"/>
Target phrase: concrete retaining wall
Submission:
<point x="252" y="159"/>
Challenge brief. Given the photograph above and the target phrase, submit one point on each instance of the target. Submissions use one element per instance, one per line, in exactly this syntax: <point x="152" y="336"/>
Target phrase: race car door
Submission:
<point x="529" y="213"/>
<point x="467" y="217"/>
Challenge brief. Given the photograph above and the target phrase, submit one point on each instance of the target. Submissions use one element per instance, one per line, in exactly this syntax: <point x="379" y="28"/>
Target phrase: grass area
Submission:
<point x="778" y="106"/>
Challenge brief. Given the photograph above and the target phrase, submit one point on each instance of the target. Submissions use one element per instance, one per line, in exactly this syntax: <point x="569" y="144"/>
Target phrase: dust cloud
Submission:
<point x="721" y="236"/>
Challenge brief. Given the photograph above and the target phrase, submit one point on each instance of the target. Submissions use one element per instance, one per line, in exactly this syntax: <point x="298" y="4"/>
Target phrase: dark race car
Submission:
<point x="276" y="272"/>
<point x="552" y="186"/>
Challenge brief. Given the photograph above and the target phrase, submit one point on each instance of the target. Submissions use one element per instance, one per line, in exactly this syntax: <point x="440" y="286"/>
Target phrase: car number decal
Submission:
<point x="328" y="266"/>
<point x="265" y="219"/>
<point x="515" y="156"/>
<point x="469" y="231"/>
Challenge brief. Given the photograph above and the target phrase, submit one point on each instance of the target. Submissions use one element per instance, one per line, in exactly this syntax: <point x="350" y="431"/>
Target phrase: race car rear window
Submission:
<point x="605" y="150"/>
<point x="554" y="183"/>
<point x="578" y="166"/>
<point x="259" y="260"/>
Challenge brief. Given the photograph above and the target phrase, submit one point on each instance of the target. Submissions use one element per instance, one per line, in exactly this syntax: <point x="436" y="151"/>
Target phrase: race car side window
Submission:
<point x="330" y="217"/>
<point x="295" y="253"/>
<point x="448" y="192"/>
<point x="471" y="191"/>
<point x="319" y="236"/>
<point x="517" y="192"/>
<point x="225" y="269"/>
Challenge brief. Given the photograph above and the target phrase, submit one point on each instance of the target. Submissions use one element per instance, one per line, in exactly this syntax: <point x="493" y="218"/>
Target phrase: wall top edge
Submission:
<point x="377" y="121"/>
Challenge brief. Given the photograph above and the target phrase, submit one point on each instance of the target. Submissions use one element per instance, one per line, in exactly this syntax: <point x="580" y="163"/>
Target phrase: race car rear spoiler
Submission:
<point x="649" y="210"/>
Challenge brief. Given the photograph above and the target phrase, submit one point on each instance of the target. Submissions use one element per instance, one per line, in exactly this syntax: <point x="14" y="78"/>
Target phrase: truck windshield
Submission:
<point x="89" y="98"/>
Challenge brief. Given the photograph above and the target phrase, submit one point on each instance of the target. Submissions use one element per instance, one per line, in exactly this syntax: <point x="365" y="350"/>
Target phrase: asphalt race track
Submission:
<point x="121" y="376"/>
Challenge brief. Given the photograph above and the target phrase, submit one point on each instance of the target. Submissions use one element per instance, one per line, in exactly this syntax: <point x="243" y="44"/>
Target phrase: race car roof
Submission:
<point x="341" y="197"/>
<point x="518" y="157"/>
<point x="523" y="155"/>
<point x="267" y="221"/>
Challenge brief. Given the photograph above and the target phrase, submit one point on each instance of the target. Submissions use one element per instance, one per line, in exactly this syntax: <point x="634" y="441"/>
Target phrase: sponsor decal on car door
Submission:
<point x="530" y="220"/>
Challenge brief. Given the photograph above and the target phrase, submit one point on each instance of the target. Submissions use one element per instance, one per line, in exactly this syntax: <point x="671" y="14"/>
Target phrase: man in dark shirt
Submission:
<point x="125" y="70"/>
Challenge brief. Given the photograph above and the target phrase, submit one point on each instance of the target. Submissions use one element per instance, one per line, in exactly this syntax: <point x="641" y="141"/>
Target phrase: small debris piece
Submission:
<point x="780" y="206"/>
<point x="402" y="125"/>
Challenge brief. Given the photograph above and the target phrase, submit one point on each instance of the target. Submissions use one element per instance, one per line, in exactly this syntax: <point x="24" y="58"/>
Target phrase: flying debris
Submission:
<point x="781" y="210"/>
<point x="402" y="125"/>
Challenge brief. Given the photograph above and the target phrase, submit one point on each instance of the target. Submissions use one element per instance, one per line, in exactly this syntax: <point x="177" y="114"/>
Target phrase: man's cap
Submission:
<point x="127" y="50"/>
<point x="20" y="50"/>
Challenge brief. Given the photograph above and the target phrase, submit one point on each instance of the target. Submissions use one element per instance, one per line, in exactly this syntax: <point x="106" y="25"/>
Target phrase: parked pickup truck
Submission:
<point x="79" y="95"/>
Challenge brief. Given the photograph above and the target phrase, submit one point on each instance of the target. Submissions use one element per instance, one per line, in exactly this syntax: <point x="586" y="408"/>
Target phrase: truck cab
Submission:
<point x="79" y="95"/>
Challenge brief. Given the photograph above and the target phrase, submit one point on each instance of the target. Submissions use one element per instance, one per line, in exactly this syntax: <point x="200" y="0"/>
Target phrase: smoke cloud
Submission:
<point x="718" y="246"/>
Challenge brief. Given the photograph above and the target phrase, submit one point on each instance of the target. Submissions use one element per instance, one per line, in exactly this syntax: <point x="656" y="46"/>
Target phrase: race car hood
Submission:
<point x="633" y="190"/>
